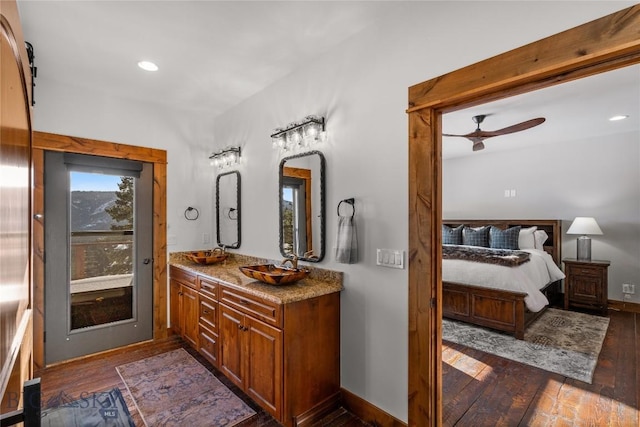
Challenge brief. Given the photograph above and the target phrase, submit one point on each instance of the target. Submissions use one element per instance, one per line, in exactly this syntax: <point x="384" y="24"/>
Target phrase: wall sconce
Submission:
<point x="226" y="157"/>
<point x="300" y="134"/>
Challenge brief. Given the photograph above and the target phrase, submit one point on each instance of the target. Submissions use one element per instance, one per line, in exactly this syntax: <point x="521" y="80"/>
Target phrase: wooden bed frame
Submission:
<point x="495" y="308"/>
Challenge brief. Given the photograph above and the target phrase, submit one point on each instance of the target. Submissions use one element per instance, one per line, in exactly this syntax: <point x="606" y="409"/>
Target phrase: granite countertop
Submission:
<point x="319" y="281"/>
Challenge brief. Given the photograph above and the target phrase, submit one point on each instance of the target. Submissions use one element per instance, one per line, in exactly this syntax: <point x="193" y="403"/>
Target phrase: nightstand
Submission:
<point x="586" y="284"/>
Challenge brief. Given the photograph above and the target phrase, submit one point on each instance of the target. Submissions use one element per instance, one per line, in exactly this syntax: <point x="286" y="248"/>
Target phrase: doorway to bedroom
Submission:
<point x="555" y="62"/>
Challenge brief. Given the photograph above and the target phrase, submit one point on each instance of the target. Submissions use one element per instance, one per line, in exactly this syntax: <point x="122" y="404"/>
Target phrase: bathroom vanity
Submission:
<point x="279" y="344"/>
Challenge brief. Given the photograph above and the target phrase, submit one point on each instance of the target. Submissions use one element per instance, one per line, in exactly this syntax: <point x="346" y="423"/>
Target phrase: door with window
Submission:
<point x="98" y="254"/>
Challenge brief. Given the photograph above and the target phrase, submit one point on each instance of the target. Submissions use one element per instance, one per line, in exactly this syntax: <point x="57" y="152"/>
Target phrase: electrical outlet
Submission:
<point x="628" y="288"/>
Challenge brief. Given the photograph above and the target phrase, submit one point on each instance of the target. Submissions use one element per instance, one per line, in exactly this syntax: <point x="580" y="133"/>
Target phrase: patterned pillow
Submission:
<point x="504" y="239"/>
<point x="476" y="236"/>
<point x="451" y="236"/>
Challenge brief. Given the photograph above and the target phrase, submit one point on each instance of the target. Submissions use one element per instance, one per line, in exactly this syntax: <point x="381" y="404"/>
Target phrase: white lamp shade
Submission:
<point x="584" y="225"/>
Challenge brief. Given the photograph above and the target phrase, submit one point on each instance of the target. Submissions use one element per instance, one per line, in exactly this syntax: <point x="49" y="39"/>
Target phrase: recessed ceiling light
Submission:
<point x="616" y="118"/>
<point x="148" y="66"/>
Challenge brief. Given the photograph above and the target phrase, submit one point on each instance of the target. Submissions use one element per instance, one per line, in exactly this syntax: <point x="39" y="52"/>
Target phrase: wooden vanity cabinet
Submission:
<point x="183" y="296"/>
<point x="285" y="356"/>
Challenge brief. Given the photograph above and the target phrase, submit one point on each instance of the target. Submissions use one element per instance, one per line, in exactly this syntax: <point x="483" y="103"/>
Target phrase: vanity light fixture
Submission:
<point x="300" y="134"/>
<point x="226" y="157"/>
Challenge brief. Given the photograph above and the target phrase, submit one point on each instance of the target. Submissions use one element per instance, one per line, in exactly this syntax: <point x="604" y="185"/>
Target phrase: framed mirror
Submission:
<point x="302" y="206"/>
<point x="228" y="209"/>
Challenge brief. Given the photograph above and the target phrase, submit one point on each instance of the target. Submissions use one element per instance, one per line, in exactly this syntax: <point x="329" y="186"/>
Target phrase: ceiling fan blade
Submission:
<point x="514" y="128"/>
<point x="476" y="136"/>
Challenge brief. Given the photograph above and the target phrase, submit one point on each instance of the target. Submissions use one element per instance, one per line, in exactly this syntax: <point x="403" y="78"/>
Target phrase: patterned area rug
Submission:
<point x="106" y="409"/>
<point x="564" y="342"/>
<point x="173" y="389"/>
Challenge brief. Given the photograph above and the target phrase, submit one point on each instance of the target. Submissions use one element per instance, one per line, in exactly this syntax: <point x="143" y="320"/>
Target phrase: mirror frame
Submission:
<point x="319" y="257"/>
<point x="238" y="192"/>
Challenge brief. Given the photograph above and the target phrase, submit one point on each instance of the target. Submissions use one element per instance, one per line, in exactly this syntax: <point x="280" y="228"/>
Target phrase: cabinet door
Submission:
<point x="189" y="306"/>
<point x="232" y="345"/>
<point x="174" y="307"/>
<point x="586" y="289"/>
<point x="264" y="368"/>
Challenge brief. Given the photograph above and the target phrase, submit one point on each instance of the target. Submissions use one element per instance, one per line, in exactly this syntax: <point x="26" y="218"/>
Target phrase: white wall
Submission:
<point x="598" y="178"/>
<point x="361" y="87"/>
<point x="187" y="136"/>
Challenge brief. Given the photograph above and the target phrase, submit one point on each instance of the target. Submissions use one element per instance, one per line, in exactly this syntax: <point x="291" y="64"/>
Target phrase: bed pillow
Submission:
<point x="451" y="236"/>
<point x="539" y="237"/>
<point x="504" y="239"/>
<point x="526" y="240"/>
<point x="476" y="236"/>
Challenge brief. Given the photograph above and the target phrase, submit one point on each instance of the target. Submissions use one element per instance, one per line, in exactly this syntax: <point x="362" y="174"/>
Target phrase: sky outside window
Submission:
<point x="82" y="181"/>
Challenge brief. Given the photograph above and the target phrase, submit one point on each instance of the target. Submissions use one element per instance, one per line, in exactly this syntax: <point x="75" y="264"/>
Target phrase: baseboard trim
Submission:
<point x="367" y="412"/>
<point x="319" y="411"/>
<point x="631" y="307"/>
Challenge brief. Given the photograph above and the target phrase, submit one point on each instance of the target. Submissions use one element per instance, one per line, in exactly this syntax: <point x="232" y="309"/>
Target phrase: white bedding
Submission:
<point x="529" y="277"/>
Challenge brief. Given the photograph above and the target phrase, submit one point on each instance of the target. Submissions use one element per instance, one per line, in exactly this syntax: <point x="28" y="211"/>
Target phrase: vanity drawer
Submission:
<point x="183" y="276"/>
<point x="209" y="345"/>
<point x="208" y="287"/>
<point x="208" y="313"/>
<point x="267" y="311"/>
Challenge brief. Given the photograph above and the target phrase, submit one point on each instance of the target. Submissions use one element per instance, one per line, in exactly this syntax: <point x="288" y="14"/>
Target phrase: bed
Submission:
<point x="506" y="305"/>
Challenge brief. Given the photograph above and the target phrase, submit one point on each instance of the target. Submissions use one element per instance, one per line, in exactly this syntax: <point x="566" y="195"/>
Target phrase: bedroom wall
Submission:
<point x="551" y="183"/>
<point x="361" y="87"/>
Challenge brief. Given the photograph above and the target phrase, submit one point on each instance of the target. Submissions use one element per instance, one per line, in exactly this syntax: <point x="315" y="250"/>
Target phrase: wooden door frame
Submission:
<point x="602" y="45"/>
<point x="48" y="141"/>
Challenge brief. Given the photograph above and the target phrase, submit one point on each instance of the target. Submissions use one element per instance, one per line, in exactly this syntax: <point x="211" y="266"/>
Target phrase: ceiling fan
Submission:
<point x="479" y="135"/>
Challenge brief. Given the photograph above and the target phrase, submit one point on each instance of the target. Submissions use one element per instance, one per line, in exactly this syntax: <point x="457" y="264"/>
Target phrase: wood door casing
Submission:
<point x="43" y="141"/>
<point x="602" y="45"/>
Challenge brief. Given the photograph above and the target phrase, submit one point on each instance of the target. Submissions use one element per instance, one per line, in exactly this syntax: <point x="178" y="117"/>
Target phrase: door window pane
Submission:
<point x="102" y="248"/>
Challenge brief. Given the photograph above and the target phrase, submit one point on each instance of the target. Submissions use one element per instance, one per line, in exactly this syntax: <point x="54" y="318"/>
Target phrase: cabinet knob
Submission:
<point x="205" y="311"/>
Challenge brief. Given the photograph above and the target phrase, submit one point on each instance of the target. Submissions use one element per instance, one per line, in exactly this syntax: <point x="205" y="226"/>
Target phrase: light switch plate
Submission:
<point x="393" y="258"/>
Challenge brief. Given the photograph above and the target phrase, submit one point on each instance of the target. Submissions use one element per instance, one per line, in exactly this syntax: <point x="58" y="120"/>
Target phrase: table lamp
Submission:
<point x="584" y="226"/>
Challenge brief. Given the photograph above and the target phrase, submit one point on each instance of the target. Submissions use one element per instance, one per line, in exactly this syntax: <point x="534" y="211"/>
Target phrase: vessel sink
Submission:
<point x="273" y="274"/>
<point x="207" y="257"/>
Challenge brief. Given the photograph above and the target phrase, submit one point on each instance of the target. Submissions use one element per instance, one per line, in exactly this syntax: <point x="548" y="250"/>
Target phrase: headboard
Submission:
<point x="553" y="227"/>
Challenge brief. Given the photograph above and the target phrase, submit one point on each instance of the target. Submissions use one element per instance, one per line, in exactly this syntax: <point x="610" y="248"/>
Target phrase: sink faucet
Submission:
<point x="293" y="260"/>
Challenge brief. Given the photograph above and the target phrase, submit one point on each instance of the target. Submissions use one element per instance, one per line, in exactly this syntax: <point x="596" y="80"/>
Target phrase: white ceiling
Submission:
<point x="574" y="111"/>
<point x="211" y="54"/>
<point x="215" y="54"/>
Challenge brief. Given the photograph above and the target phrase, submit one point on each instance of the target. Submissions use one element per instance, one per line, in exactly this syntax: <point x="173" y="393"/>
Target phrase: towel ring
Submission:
<point x="191" y="214"/>
<point x="350" y="201"/>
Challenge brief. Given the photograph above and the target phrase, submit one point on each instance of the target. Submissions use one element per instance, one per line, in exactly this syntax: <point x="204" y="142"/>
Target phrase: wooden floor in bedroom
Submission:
<point x="480" y="389"/>
<point x="98" y="373"/>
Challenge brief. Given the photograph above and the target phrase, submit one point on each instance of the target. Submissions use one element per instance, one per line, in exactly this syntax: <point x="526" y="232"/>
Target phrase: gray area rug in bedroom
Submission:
<point x="565" y="342"/>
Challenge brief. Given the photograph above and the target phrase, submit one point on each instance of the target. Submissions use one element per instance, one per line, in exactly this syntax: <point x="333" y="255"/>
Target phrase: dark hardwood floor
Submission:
<point x="79" y="378"/>
<point x="480" y="389"/>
